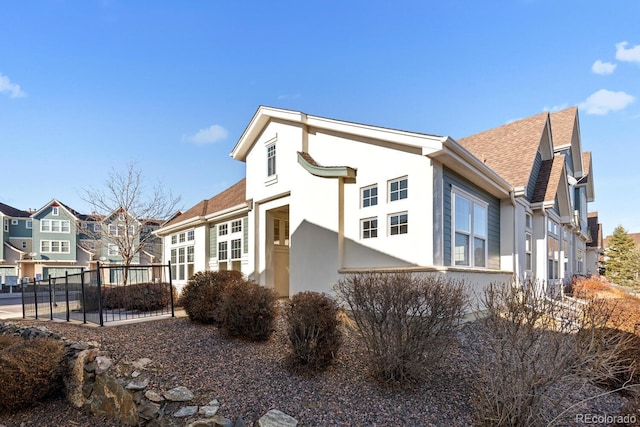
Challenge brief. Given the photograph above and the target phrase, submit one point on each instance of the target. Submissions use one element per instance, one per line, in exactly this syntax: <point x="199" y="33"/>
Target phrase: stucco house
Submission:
<point x="324" y="197"/>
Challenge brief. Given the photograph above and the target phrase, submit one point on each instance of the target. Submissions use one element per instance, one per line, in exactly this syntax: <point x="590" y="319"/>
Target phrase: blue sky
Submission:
<point x="90" y="86"/>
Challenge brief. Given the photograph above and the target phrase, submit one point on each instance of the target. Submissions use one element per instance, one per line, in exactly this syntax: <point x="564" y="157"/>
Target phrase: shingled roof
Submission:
<point x="510" y="150"/>
<point x="13" y="212"/>
<point x="548" y="179"/>
<point x="562" y="125"/>
<point x="232" y="196"/>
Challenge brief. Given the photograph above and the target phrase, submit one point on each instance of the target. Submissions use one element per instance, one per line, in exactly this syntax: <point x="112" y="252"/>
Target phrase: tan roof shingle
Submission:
<point x="510" y="150"/>
<point x="562" y="125"/>
<point x="232" y="196"/>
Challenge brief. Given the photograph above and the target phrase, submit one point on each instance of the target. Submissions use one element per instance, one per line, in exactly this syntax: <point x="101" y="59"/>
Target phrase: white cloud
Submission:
<point x="603" y="68"/>
<point x="213" y="133"/>
<point x="604" y="101"/>
<point x="12" y="88"/>
<point x="555" y="108"/>
<point x="629" y="55"/>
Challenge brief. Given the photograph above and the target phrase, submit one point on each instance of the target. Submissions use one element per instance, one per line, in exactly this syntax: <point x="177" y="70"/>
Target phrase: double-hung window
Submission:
<point x="398" y="223"/>
<point x="470" y="230"/>
<point x="398" y="189"/>
<point x="369" y="196"/>
<point x="553" y="249"/>
<point x="236" y="249"/>
<point x="369" y="228"/>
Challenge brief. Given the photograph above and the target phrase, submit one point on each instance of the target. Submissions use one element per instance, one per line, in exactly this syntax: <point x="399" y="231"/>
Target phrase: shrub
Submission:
<point x="312" y="330"/>
<point x="248" y="310"/>
<point x="202" y="294"/>
<point x="30" y="371"/>
<point x="529" y="345"/>
<point x="140" y="297"/>
<point x="405" y="321"/>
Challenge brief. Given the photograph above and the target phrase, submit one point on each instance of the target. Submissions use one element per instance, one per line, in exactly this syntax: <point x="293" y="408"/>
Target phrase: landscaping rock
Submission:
<point x="153" y="396"/>
<point x="185" y="411"/>
<point x="103" y="364"/>
<point x="138" y="384"/>
<point x="276" y="418"/>
<point x="209" y="410"/>
<point x="178" y="394"/>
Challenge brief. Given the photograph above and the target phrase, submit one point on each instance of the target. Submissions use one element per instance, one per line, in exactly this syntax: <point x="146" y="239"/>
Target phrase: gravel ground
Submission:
<point x="249" y="379"/>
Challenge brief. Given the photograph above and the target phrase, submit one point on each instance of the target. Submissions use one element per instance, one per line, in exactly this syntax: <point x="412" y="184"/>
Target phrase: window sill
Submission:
<point x="271" y="180"/>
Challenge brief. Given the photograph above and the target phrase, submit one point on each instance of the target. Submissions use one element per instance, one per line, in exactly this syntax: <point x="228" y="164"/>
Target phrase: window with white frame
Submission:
<point x="369" y="196"/>
<point x="236" y="249"/>
<point x="190" y="235"/>
<point x="470" y="230"/>
<point x="553" y="250"/>
<point x="182" y="237"/>
<point x="271" y="160"/>
<point x="528" y="221"/>
<point x="55" y="226"/>
<point x="236" y="226"/>
<point x="6" y="225"/>
<point x="29" y="223"/>
<point x="369" y="228"/>
<point x="55" y="211"/>
<point x="14" y="222"/>
<point x="54" y="246"/>
<point x="112" y="250"/>
<point x="96" y="228"/>
<point x="528" y="248"/>
<point x="223" y="229"/>
<point x="398" y="223"/>
<point x="222" y="250"/>
<point x="398" y="189"/>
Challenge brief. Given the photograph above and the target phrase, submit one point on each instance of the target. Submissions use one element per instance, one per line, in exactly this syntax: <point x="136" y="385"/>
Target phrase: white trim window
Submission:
<point x="398" y="223"/>
<point x="236" y="249"/>
<point x="470" y="224"/>
<point x="182" y="237"/>
<point x="55" y="246"/>
<point x="113" y="250"/>
<point x="398" y="189"/>
<point x="271" y="159"/>
<point x="236" y="226"/>
<point x="369" y="228"/>
<point x="174" y="239"/>
<point x="6" y="225"/>
<point x="14" y="222"/>
<point x="369" y="196"/>
<point x="222" y="251"/>
<point x="55" y="226"/>
<point x="223" y="229"/>
<point x="190" y="235"/>
<point x="55" y="211"/>
<point x="29" y="224"/>
<point x="528" y="242"/>
<point x="553" y="250"/>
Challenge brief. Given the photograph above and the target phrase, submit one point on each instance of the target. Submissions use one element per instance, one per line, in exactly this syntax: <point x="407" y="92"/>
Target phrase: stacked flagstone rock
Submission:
<point x="120" y="391"/>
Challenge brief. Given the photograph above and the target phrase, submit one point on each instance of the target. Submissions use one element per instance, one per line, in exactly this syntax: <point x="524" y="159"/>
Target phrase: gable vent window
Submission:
<point x="271" y="160"/>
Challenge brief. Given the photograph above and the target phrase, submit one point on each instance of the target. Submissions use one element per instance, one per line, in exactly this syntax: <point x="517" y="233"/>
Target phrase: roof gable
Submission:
<point x="423" y="143"/>
<point x="54" y="203"/>
<point x="510" y="150"/>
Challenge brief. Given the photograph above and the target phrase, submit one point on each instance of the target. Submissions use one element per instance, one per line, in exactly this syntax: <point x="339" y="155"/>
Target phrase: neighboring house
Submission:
<point x="323" y="198"/>
<point x="56" y="239"/>
<point x="595" y="247"/>
<point x="15" y="240"/>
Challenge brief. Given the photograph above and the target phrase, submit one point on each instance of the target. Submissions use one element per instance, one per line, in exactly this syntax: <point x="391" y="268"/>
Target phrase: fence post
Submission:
<point x="22" y="288"/>
<point x="35" y="297"/>
<point x="50" y="300"/>
<point x="99" y="271"/>
<point x="84" y="303"/>
<point x="66" y="292"/>
<point x="171" y="289"/>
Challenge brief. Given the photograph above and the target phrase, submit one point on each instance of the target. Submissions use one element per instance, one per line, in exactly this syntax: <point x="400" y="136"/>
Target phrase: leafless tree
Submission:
<point x="126" y="211"/>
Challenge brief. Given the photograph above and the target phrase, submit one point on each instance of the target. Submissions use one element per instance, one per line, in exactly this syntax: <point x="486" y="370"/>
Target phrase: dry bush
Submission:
<point x="313" y="332"/>
<point x="405" y="321"/>
<point x="531" y="344"/>
<point x="141" y="297"/>
<point x="202" y="294"/>
<point x="30" y="371"/>
<point x="583" y="287"/>
<point x="248" y="310"/>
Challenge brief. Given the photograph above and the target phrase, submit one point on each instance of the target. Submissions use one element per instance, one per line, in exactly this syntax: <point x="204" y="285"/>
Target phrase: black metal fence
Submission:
<point x="101" y="295"/>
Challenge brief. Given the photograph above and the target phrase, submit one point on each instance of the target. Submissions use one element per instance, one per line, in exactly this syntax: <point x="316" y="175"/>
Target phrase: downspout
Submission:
<point x="512" y="196"/>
